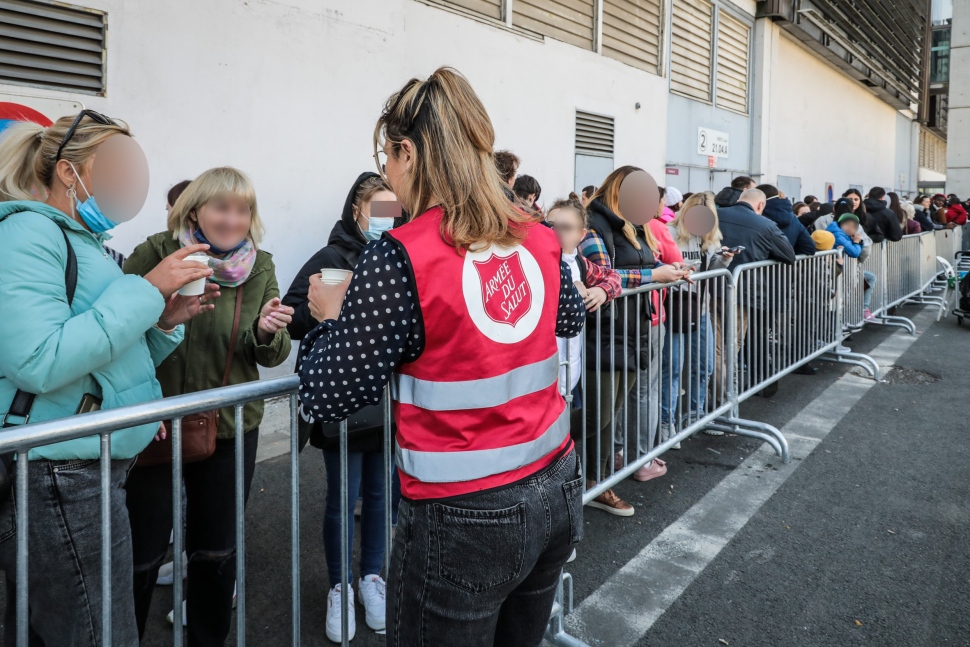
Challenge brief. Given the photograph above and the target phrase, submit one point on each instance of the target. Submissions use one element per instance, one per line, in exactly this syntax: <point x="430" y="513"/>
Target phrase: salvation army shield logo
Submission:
<point x="505" y="291"/>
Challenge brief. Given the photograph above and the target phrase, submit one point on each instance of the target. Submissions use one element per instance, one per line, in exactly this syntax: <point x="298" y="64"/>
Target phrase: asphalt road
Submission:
<point x="862" y="544"/>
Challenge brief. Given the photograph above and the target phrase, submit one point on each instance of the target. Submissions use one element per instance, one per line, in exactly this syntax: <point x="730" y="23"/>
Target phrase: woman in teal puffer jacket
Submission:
<point x="103" y="347"/>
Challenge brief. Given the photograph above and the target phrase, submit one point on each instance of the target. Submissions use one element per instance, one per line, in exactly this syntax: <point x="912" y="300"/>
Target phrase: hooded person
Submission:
<point x="729" y="195"/>
<point x="673" y="200"/>
<point x="779" y="211"/>
<point x="881" y="223"/>
<point x="347" y="240"/>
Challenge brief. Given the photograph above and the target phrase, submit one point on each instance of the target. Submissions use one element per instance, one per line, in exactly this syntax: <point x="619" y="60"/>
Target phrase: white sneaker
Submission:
<point x="333" y="615"/>
<point x="373" y="595"/>
<point x="165" y="572"/>
<point x="171" y="619"/>
<point x="666" y="431"/>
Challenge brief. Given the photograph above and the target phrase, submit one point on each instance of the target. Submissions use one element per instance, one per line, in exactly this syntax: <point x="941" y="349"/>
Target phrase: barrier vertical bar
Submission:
<point x="730" y="348"/>
<point x="344" y="543"/>
<point x="177" y="565"/>
<point x="626" y="385"/>
<point x="295" y="518"/>
<point x="240" y="529"/>
<point x="105" y="465"/>
<point x="23" y="620"/>
<point x="636" y="360"/>
<point x="599" y="392"/>
<point x="388" y="480"/>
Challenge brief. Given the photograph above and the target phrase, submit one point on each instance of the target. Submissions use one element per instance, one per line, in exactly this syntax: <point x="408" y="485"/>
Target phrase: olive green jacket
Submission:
<point x="198" y="363"/>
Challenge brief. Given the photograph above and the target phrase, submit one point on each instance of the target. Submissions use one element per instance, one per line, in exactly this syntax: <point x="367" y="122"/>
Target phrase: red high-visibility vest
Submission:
<point x="480" y="408"/>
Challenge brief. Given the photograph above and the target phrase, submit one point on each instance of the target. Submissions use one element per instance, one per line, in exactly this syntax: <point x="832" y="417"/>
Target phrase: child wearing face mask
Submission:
<point x="363" y="220"/>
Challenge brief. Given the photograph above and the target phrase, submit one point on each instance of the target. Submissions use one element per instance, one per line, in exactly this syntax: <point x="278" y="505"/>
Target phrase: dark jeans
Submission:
<point x="210" y="536"/>
<point x="64" y="555"/>
<point x="482" y="570"/>
<point x="365" y="474"/>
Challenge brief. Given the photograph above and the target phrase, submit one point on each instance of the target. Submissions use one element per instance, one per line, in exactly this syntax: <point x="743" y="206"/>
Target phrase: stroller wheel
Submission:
<point x="959" y="321"/>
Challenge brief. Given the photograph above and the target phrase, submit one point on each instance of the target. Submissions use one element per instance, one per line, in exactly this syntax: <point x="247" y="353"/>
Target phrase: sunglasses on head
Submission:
<point x="95" y="116"/>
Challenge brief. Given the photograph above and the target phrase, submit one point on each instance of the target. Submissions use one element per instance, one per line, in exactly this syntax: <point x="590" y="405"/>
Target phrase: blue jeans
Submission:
<point x="669" y="378"/>
<point x="365" y="474"/>
<point x="867" y="295"/>
<point x="701" y="366"/>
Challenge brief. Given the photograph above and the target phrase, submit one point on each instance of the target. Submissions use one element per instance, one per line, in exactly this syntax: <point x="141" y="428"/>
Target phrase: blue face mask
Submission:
<point x="90" y="212"/>
<point x="376" y="227"/>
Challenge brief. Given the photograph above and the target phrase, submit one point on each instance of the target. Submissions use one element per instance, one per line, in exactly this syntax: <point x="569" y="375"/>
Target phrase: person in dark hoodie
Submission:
<point x="881" y="223"/>
<point x="729" y="195"/>
<point x="778" y="209"/>
<point x="365" y="460"/>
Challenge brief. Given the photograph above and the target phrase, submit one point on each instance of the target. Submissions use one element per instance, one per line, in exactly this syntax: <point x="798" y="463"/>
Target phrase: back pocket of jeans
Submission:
<point x="479" y="550"/>
<point x="573" y="491"/>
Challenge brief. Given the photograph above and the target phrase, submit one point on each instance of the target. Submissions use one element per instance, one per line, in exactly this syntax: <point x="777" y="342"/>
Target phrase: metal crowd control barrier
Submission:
<point x="712" y="343"/>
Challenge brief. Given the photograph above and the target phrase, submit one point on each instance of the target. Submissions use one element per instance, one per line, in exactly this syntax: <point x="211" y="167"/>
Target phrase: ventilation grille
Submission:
<point x="732" y="63"/>
<point x="594" y="134"/>
<point x="690" y="49"/>
<point x="932" y="151"/>
<point x="570" y="21"/>
<point x="631" y="32"/>
<point x="51" y="46"/>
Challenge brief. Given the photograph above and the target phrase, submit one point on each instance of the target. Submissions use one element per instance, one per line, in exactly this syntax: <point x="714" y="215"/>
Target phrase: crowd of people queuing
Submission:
<point x="117" y="331"/>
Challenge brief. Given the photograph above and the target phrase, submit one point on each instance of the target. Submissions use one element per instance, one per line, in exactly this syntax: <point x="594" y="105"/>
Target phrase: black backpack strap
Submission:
<point x="70" y="272"/>
<point x="23" y="401"/>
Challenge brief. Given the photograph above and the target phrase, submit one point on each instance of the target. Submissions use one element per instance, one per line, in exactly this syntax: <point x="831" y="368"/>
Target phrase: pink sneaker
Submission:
<point x="867" y="316"/>
<point x="655" y="469"/>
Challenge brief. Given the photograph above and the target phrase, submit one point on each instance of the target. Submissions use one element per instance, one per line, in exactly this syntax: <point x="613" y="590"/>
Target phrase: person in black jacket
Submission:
<point x="778" y="209"/>
<point x="365" y="462"/>
<point x="881" y="223"/>
<point x="729" y="195"/>
<point x="923" y="205"/>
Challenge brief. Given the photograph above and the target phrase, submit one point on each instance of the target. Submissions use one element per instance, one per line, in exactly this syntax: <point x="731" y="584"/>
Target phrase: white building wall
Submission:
<point x="289" y="92"/>
<point x="822" y="126"/>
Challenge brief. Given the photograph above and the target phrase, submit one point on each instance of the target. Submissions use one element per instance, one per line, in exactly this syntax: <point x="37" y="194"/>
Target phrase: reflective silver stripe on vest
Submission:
<point x="475" y="394"/>
<point x="453" y="467"/>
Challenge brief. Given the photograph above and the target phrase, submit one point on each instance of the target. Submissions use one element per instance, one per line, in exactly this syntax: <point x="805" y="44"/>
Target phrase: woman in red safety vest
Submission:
<point x="459" y="309"/>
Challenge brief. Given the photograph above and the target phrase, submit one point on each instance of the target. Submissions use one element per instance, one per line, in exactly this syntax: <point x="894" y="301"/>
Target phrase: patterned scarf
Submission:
<point x="230" y="270"/>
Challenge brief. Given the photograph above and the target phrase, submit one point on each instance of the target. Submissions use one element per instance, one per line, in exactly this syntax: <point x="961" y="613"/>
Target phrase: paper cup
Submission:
<point x="197" y="287"/>
<point x="331" y="276"/>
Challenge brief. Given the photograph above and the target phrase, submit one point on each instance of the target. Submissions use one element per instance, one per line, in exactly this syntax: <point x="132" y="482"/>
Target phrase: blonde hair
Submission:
<point x="711" y="239"/>
<point x="609" y="195"/>
<point x="452" y="165"/>
<point x="28" y="153"/>
<point x="209" y="185"/>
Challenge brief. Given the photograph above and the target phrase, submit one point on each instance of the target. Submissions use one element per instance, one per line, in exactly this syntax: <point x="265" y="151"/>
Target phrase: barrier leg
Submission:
<point x="754" y="429"/>
<point x="556" y="631"/>
<point x="893" y="320"/>
<point x="856" y="359"/>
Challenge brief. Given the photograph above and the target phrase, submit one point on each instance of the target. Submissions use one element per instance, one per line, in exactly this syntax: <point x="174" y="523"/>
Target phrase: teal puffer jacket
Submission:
<point x="104" y="344"/>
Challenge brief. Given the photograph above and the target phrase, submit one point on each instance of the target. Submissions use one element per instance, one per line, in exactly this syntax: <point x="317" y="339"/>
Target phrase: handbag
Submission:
<point x="198" y="429"/>
<point x="369" y="419"/>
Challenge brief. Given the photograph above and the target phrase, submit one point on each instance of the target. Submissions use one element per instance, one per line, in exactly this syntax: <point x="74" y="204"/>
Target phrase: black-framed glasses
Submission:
<point x="96" y="116"/>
